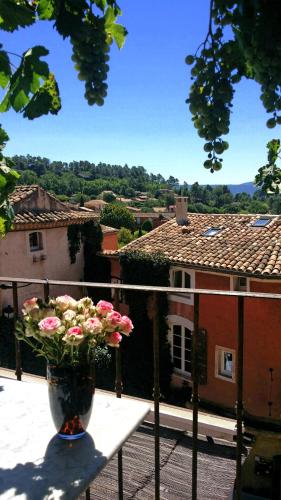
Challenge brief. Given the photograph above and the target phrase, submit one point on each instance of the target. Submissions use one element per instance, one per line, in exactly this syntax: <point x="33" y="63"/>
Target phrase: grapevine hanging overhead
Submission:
<point x="253" y="51"/>
<point x="30" y="88"/>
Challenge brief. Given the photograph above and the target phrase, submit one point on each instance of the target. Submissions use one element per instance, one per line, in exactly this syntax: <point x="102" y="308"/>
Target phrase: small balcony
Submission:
<point x="181" y="452"/>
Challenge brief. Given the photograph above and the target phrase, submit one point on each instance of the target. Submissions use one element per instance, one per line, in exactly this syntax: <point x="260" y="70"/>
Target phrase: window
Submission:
<point x="240" y="283"/>
<point x="212" y="231"/>
<point x="113" y="290"/>
<point x="225" y="363"/>
<point x="261" y="222"/>
<point x="181" y="342"/>
<point x="35" y="241"/>
<point x="182" y="278"/>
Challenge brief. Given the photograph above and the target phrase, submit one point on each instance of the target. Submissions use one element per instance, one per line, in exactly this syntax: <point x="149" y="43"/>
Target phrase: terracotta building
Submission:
<point x="224" y="252"/>
<point x="37" y="247"/>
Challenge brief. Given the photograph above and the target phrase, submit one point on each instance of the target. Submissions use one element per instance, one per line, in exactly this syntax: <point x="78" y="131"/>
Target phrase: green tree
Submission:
<point x="30" y="87"/>
<point x="147" y="225"/>
<point x="117" y="216"/>
<point x="109" y="197"/>
<point x="124" y="237"/>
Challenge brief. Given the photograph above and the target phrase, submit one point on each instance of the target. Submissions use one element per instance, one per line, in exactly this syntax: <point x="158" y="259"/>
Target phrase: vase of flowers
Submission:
<point x="70" y="334"/>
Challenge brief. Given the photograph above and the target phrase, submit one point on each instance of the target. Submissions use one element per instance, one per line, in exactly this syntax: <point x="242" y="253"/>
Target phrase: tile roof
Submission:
<point x="27" y="218"/>
<point x="108" y="229"/>
<point x="238" y="248"/>
<point x="52" y="216"/>
<point x="22" y="192"/>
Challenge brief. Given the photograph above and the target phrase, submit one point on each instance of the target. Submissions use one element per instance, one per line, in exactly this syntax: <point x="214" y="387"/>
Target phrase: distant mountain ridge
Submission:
<point x="245" y="187"/>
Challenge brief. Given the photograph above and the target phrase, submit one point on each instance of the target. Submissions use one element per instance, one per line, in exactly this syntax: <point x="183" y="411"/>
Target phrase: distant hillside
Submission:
<point x="246" y="187"/>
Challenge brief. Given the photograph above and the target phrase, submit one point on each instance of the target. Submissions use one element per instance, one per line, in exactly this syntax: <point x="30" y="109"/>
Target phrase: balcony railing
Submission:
<point x="9" y="282"/>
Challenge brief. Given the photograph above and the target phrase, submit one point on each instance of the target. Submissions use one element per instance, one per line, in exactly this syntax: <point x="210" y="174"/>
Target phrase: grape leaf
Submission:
<point x="45" y="9"/>
<point x="114" y="31"/>
<point x="101" y="4"/>
<point x="32" y="90"/>
<point x="15" y="14"/>
<point x="5" y="71"/>
<point x="45" y="100"/>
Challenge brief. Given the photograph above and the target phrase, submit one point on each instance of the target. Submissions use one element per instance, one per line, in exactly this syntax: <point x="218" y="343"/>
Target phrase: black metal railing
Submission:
<point x="197" y="293"/>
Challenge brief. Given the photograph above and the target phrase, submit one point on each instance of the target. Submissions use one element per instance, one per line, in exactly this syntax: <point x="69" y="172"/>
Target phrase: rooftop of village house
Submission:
<point x="236" y="245"/>
<point x="34" y="207"/>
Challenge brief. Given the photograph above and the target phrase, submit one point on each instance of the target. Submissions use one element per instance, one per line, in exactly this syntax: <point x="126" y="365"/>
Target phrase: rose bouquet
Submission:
<point x="69" y="332"/>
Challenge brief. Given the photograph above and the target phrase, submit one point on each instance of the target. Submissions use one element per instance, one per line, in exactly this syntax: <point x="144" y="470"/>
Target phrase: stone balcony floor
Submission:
<point x="216" y="468"/>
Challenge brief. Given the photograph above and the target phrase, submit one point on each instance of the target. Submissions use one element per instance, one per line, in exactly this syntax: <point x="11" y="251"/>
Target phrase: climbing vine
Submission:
<point x="96" y="267"/>
<point x="142" y="269"/>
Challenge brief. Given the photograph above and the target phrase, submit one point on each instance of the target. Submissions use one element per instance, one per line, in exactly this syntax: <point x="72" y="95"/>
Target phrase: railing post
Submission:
<point x="156" y="394"/>
<point x="239" y="402"/>
<point x="46" y="290"/>
<point x="118" y="390"/>
<point x="17" y="342"/>
<point x="195" y="398"/>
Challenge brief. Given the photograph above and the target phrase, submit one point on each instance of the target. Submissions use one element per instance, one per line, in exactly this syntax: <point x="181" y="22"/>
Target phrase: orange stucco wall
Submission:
<point x="110" y="241"/>
<point x="262" y="341"/>
<point x="212" y="281"/>
<point x="16" y="260"/>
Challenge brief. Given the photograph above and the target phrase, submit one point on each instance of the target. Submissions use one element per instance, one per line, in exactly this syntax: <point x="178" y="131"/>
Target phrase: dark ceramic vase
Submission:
<point x="71" y="391"/>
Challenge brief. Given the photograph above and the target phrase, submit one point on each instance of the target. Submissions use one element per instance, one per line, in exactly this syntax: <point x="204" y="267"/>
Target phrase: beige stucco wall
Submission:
<point x="40" y="200"/>
<point x="16" y="260"/>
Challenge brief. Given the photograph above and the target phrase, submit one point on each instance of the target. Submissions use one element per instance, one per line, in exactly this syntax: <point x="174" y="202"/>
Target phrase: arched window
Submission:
<point x="35" y="241"/>
<point x="180" y="339"/>
<point x="181" y="343"/>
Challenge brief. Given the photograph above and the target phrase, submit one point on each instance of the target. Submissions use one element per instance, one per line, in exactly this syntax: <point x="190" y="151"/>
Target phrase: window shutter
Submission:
<point x="202" y="356"/>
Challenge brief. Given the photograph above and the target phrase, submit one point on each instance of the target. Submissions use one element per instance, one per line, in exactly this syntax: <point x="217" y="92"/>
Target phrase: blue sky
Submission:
<point x="145" y="120"/>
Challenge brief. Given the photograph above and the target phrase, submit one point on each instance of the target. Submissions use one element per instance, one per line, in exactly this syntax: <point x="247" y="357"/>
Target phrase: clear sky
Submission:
<point x="145" y="120"/>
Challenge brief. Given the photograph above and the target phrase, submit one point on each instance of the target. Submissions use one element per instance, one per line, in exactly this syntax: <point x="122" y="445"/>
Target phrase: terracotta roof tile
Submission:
<point x="52" y="217"/>
<point x="22" y="192"/>
<point x="27" y="218"/>
<point x="237" y="247"/>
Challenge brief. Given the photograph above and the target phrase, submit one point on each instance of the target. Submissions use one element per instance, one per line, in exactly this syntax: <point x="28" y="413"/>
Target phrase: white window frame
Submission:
<point x="235" y="284"/>
<point x="40" y="245"/>
<point x="120" y="293"/>
<point x="219" y="356"/>
<point x="183" y="298"/>
<point x="175" y="320"/>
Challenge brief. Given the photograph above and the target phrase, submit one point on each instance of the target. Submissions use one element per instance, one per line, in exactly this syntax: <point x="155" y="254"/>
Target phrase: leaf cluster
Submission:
<point x="219" y="64"/>
<point x="117" y="216"/>
<point x="143" y="269"/>
<point x="8" y="181"/>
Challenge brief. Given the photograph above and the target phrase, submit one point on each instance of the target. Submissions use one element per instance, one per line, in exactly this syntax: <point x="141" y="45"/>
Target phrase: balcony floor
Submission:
<point x="216" y="468"/>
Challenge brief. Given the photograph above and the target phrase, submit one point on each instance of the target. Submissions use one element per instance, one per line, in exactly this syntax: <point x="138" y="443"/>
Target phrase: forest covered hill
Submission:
<point x="79" y="181"/>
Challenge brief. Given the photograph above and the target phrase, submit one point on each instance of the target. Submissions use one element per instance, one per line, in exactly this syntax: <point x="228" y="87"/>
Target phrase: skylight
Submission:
<point x="212" y="231"/>
<point x="261" y="222"/>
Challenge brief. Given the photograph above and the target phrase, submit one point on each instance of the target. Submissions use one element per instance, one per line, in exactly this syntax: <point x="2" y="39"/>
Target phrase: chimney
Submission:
<point x="181" y="210"/>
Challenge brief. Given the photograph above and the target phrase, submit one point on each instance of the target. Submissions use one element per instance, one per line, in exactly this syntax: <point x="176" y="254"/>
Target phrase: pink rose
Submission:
<point x="126" y="325"/>
<point x="74" y="335"/>
<point x="92" y="325"/>
<point x="113" y="339"/>
<point x="112" y="320"/>
<point x="49" y="326"/>
<point x="103" y="307"/>
<point x="65" y="302"/>
<point x="30" y="304"/>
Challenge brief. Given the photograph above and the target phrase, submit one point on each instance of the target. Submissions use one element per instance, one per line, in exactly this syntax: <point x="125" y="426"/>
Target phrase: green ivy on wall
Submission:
<point x="142" y="269"/>
<point x="96" y="267"/>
